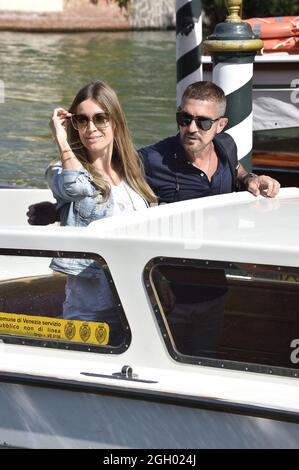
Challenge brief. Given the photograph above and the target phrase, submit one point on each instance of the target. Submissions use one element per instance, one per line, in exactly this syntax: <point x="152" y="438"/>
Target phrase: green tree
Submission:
<point x="257" y="8"/>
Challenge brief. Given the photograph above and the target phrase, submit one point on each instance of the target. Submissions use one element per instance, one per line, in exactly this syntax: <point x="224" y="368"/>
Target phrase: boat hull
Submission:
<point x="61" y="417"/>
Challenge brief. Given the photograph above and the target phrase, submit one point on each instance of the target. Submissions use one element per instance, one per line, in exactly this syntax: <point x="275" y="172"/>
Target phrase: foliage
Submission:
<point x="215" y="10"/>
<point x="256" y="8"/>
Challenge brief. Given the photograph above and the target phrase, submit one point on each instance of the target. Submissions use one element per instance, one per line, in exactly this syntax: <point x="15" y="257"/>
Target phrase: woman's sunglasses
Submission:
<point x="185" y="119"/>
<point x="81" y="121"/>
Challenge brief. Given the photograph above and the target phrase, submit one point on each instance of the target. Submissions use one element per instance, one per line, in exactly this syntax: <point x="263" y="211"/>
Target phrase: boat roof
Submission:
<point x="230" y="227"/>
<point x="236" y="218"/>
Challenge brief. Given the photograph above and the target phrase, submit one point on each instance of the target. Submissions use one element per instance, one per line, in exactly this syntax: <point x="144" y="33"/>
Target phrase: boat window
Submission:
<point x="45" y="302"/>
<point x="228" y="315"/>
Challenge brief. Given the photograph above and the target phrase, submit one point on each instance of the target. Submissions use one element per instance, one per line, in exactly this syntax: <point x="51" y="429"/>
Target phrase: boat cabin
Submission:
<point x="206" y="319"/>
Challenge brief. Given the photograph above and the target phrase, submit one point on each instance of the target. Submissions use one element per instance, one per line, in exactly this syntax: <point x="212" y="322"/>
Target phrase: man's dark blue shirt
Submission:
<point x="173" y="178"/>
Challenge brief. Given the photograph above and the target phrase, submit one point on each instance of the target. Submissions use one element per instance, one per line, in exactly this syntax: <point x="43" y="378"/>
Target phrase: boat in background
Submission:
<point x="276" y="98"/>
<point x="275" y="115"/>
<point x="215" y="368"/>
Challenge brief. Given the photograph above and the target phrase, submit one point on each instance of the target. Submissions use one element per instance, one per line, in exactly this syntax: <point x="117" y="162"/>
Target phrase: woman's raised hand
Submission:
<point x="57" y="122"/>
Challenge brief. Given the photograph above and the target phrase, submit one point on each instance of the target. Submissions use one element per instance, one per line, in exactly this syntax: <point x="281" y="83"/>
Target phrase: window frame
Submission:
<point x="201" y="360"/>
<point x="68" y="345"/>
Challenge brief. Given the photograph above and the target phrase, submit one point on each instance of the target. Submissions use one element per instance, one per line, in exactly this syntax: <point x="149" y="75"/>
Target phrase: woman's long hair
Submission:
<point x="125" y="160"/>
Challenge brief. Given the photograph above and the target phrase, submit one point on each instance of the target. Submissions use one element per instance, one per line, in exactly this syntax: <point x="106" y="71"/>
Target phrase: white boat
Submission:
<point x="275" y="106"/>
<point x="234" y="384"/>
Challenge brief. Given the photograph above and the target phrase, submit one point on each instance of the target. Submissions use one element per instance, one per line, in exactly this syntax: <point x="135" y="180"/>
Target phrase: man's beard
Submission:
<point x="192" y="146"/>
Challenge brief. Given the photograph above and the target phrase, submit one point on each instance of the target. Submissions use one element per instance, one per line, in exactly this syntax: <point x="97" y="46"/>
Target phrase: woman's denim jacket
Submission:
<point x="80" y="204"/>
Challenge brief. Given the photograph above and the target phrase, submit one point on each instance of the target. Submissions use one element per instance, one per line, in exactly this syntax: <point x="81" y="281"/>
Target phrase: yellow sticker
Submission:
<point x="54" y="328"/>
<point x="289" y="277"/>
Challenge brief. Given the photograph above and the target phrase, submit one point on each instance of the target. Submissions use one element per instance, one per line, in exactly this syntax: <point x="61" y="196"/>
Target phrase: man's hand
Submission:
<point x="263" y="185"/>
<point x="257" y="184"/>
<point x="42" y="213"/>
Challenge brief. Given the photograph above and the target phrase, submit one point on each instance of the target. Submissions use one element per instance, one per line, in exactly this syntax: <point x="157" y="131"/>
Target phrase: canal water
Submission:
<point x="41" y="71"/>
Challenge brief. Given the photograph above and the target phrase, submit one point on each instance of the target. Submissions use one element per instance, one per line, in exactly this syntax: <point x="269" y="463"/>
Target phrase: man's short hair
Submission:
<point x="206" y="91"/>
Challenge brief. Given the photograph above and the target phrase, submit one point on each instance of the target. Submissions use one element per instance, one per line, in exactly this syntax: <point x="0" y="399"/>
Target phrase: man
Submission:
<point x="200" y="160"/>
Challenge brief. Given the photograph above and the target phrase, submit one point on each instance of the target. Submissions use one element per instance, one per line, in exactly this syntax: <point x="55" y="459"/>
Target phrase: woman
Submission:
<point x="97" y="175"/>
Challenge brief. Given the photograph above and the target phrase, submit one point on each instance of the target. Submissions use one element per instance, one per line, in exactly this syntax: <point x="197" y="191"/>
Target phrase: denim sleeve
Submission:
<point x="69" y="185"/>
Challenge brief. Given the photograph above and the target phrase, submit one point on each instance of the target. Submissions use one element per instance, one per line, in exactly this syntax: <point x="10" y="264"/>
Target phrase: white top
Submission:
<point x="126" y="199"/>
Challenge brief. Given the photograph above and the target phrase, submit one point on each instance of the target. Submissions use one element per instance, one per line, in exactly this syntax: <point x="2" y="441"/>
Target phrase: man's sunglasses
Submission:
<point x="80" y="121"/>
<point x="185" y="119"/>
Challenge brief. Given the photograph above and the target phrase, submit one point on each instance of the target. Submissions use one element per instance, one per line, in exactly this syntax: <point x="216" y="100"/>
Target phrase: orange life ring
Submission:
<point x="281" y="45"/>
<point x="275" y="27"/>
<point x="272" y="19"/>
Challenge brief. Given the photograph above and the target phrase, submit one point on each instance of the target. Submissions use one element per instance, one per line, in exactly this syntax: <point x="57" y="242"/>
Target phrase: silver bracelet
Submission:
<point x="69" y="158"/>
<point x="65" y="151"/>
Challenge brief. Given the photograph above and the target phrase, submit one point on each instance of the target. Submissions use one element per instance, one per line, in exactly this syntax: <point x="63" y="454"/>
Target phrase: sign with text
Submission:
<point x="54" y="328"/>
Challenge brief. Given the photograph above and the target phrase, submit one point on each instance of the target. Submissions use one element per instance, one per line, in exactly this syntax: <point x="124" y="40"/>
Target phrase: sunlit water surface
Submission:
<point x="42" y="71"/>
